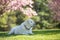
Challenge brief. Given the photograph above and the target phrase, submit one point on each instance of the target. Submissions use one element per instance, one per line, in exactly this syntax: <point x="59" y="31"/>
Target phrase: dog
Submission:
<point x="24" y="28"/>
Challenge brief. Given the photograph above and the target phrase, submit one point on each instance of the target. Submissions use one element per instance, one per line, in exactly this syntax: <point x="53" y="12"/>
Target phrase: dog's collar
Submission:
<point x="26" y="27"/>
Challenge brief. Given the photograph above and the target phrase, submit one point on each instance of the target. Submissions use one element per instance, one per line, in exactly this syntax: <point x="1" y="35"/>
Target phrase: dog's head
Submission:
<point x="31" y="22"/>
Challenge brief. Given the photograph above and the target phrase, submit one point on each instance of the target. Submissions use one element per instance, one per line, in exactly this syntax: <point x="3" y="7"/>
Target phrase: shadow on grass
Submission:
<point x="37" y="32"/>
<point x="46" y="32"/>
<point x="5" y="34"/>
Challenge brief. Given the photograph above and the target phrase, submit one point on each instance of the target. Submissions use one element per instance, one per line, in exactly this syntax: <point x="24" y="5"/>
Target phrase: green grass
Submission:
<point x="38" y="35"/>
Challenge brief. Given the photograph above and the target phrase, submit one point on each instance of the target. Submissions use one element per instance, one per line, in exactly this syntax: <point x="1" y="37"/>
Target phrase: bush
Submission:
<point x="11" y="18"/>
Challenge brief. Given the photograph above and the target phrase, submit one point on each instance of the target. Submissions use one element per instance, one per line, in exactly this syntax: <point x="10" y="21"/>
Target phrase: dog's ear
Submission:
<point x="28" y="21"/>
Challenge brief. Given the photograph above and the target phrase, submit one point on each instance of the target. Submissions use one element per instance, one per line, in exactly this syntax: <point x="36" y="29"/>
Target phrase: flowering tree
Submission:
<point x="18" y="5"/>
<point x="54" y="5"/>
<point x="24" y="6"/>
<point x="3" y="4"/>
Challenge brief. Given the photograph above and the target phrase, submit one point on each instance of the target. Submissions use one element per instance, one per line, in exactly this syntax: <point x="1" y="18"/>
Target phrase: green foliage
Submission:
<point x="11" y="19"/>
<point x="41" y="5"/>
<point x="44" y="14"/>
<point x="20" y="17"/>
<point x="36" y="18"/>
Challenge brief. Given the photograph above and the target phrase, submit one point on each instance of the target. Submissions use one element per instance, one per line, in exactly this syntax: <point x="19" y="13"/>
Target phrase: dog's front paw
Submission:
<point x="30" y="33"/>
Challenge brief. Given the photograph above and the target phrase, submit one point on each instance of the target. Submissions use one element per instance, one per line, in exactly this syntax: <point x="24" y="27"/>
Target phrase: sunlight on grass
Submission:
<point x="38" y="35"/>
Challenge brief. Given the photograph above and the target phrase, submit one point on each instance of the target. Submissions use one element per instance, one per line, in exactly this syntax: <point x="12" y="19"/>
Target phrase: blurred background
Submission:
<point x="46" y="19"/>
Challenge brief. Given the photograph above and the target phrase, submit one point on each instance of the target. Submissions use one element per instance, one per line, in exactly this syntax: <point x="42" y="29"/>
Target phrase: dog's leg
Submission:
<point x="30" y="31"/>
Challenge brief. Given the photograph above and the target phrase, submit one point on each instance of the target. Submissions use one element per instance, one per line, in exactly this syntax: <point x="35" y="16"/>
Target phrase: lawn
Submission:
<point x="38" y="35"/>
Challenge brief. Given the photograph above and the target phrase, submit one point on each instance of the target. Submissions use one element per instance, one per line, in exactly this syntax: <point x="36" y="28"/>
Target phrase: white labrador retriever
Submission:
<point x="24" y="28"/>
